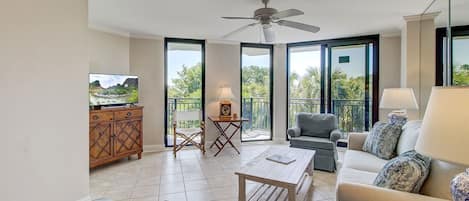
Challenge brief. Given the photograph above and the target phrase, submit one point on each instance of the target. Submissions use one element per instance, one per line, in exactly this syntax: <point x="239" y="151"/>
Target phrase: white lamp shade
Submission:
<point x="445" y="128"/>
<point x="398" y="98"/>
<point x="225" y="94"/>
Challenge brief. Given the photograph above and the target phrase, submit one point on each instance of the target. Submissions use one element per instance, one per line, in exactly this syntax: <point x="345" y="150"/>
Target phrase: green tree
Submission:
<point x="255" y="81"/>
<point x="188" y="84"/>
<point x="461" y="75"/>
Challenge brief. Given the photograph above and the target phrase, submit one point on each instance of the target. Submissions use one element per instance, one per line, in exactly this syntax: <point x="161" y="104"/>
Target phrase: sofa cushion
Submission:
<point x="407" y="172"/>
<point x="313" y="142"/>
<point x="363" y="161"/>
<point x="349" y="175"/>
<point x="408" y="138"/>
<point x="382" y="140"/>
<point x="315" y="124"/>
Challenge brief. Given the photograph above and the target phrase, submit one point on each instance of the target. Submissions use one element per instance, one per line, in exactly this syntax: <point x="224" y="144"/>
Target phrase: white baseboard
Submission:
<point x="153" y="148"/>
<point x="87" y="198"/>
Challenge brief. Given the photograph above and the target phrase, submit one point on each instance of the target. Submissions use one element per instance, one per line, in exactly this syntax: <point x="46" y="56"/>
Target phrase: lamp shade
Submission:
<point x="225" y="94"/>
<point x="398" y="98"/>
<point x="444" y="134"/>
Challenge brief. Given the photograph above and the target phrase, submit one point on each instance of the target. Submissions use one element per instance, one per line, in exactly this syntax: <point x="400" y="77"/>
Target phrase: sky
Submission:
<point x="461" y="50"/>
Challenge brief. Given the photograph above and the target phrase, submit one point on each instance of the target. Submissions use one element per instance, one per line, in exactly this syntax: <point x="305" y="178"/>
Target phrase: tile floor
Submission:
<point x="189" y="177"/>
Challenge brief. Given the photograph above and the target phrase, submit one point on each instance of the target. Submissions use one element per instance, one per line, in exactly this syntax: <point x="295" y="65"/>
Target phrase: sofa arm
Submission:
<point x="356" y="140"/>
<point x="335" y="135"/>
<point x="363" y="192"/>
<point x="294" y="132"/>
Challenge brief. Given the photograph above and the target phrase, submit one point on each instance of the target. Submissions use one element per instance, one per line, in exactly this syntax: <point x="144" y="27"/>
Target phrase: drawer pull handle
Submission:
<point x="129" y="113"/>
<point x="95" y="117"/>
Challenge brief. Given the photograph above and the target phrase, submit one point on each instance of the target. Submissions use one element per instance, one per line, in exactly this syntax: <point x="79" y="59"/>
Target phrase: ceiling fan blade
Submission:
<point x="239" y="30"/>
<point x="239" y="18"/>
<point x="287" y="13"/>
<point x="297" y="25"/>
<point x="269" y="34"/>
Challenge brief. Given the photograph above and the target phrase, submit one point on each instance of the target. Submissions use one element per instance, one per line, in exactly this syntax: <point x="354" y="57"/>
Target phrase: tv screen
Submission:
<point x="113" y="89"/>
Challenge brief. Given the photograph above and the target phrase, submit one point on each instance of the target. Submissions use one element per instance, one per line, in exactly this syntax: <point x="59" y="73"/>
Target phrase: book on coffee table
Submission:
<point x="281" y="159"/>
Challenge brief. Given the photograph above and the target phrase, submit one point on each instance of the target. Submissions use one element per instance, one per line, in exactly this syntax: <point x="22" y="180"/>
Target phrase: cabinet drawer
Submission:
<point x="101" y="116"/>
<point x="120" y="115"/>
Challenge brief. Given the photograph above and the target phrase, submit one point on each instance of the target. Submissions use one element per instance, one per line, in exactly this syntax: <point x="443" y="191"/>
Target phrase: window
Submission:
<point x="256" y="91"/>
<point x="337" y="76"/>
<point x="184" y="80"/>
<point x="459" y="71"/>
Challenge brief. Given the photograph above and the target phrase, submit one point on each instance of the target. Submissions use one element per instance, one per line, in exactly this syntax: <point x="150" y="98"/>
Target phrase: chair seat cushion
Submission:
<point x="349" y="175"/>
<point x="188" y="131"/>
<point x="364" y="161"/>
<point x="313" y="142"/>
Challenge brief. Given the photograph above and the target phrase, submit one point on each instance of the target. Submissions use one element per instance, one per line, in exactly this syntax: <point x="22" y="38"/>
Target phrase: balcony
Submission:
<point x="350" y="113"/>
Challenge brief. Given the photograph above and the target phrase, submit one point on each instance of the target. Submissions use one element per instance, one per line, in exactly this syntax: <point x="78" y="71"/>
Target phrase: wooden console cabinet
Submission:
<point x="115" y="133"/>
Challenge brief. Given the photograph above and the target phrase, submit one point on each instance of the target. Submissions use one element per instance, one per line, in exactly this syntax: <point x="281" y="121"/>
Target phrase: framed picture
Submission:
<point x="225" y="109"/>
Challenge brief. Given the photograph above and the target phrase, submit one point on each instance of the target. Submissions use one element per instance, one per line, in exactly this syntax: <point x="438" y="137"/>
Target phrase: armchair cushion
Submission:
<point x="314" y="142"/>
<point x="335" y="135"/>
<point x="294" y="132"/>
<point x="315" y="124"/>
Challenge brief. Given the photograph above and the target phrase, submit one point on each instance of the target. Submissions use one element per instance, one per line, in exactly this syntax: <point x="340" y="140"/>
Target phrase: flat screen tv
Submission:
<point x="106" y="90"/>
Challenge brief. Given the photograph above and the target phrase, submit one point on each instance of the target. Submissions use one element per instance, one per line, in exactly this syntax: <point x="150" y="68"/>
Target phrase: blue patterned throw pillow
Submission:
<point x="382" y="140"/>
<point x="407" y="172"/>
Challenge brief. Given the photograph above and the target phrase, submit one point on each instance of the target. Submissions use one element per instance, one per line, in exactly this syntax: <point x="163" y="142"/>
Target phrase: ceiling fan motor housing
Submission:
<point x="265" y="14"/>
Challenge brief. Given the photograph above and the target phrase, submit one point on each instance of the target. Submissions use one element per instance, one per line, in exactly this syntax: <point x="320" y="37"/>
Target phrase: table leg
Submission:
<point x="242" y="188"/>
<point x="292" y="193"/>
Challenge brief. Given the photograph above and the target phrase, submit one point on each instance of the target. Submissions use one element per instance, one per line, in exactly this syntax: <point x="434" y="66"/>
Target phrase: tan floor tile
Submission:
<point x="191" y="176"/>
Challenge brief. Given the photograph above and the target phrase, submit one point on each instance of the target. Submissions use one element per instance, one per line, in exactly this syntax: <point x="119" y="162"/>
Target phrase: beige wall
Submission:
<point x="147" y="61"/>
<point x="44" y="84"/>
<point x="223" y="68"/>
<point x="389" y="67"/>
<point x="108" y="53"/>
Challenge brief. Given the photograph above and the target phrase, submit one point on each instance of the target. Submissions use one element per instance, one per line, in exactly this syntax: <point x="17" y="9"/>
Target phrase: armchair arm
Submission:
<point x="356" y="140"/>
<point x="294" y="132"/>
<point x="336" y="134"/>
<point x="363" y="192"/>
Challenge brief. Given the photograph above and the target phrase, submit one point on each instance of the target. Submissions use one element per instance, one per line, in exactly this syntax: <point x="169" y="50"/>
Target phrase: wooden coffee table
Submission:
<point x="292" y="182"/>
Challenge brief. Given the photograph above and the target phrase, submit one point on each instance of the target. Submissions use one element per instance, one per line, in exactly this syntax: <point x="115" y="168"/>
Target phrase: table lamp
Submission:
<point x="225" y="97"/>
<point x="400" y="100"/>
<point x="444" y="134"/>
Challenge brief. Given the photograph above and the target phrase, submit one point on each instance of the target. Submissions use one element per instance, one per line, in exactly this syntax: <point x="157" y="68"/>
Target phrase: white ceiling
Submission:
<point x="201" y="18"/>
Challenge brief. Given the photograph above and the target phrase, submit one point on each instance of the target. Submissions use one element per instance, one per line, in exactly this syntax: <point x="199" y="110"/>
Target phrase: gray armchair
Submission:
<point x="317" y="132"/>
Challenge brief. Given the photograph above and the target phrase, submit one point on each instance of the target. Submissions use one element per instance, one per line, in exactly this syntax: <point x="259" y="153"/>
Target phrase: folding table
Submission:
<point x="224" y="137"/>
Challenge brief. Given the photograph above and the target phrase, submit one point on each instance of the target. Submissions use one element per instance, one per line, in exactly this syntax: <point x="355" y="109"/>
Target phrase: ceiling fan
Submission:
<point x="267" y="16"/>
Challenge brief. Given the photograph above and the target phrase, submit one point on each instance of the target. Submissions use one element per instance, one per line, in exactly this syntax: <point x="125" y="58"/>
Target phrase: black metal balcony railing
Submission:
<point x="350" y="113"/>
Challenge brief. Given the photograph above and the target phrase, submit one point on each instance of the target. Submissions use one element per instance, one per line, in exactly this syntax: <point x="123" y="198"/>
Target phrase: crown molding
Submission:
<point x="420" y="17"/>
<point x="109" y="30"/>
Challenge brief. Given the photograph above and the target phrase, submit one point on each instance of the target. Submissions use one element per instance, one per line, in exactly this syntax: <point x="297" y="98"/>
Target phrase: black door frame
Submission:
<point x="186" y="41"/>
<point x="440" y="50"/>
<point x="271" y="83"/>
<point x="325" y="47"/>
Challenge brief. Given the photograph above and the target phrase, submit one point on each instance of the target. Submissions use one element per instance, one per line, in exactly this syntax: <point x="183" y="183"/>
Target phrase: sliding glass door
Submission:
<point x="337" y="76"/>
<point x="348" y="86"/>
<point x="459" y="71"/>
<point x="306" y="81"/>
<point x="256" y="91"/>
<point x="184" y="81"/>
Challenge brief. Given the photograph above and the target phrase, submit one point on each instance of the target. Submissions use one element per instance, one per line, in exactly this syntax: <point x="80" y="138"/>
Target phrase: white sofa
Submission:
<point x="359" y="169"/>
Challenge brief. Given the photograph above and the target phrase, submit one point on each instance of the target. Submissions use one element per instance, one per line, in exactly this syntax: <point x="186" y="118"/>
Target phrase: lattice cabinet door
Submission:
<point x="128" y="138"/>
<point x="100" y="142"/>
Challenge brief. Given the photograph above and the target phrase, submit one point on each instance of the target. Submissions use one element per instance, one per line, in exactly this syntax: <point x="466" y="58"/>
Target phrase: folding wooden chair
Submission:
<point x="188" y="135"/>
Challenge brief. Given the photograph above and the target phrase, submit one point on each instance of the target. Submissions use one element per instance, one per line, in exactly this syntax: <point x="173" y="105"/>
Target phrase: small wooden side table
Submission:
<point x="224" y="138"/>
